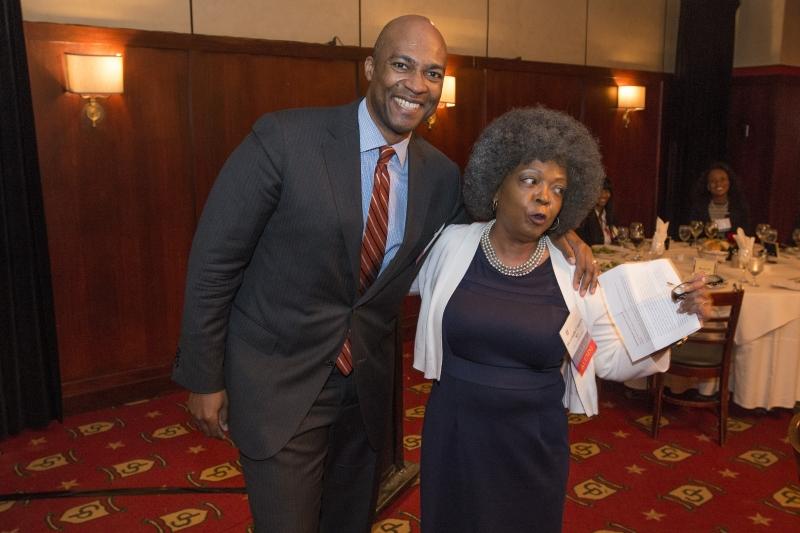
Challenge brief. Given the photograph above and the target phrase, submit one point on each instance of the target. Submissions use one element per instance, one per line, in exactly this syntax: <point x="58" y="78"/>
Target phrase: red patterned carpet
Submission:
<point x="620" y="478"/>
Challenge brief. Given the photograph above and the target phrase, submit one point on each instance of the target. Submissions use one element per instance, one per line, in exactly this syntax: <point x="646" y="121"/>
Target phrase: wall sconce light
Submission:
<point x="448" y="98"/>
<point x="630" y="98"/>
<point x="93" y="77"/>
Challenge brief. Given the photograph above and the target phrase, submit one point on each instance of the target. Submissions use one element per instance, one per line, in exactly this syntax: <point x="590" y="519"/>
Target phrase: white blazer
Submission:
<point x="443" y="270"/>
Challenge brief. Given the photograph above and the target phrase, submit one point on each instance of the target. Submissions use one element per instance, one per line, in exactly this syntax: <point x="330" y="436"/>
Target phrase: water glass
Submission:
<point x="770" y="235"/>
<point x="711" y="229"/>
<point x="756" y="266"/>
<point x="760" y="228"/>
<point x="622" y="235"/>
<point x="684" y="232"/>
<point x="742" y="259"/>
<point x="697" y="228"/>
<point x="636" y="235"/>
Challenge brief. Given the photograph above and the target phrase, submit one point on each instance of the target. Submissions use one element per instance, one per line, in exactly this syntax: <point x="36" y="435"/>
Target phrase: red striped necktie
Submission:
<point x="373" y="245"/>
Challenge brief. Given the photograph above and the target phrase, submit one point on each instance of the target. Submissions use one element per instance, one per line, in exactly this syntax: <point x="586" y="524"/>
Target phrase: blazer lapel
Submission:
<point x="342" y="159"/>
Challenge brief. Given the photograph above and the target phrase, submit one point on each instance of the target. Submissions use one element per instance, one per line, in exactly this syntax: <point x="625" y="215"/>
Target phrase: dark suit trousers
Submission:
<point x="324" y="480"/>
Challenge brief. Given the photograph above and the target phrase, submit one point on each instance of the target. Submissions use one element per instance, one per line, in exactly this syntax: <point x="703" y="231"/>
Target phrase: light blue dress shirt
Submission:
<point x="371" y="140"/>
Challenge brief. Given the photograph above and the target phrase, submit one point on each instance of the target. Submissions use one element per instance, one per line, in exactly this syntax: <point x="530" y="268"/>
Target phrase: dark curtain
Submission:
<point x="697" y="107"/>
<point x="30" y="391"/>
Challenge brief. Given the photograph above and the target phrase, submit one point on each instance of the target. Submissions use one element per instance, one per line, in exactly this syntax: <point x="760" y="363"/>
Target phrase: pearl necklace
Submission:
<point x="519" y="270"/>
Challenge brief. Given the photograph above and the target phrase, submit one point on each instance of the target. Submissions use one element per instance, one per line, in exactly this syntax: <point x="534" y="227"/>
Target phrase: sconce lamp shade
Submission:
<point x="94" y="75"/>
<point x="448" y="92"/>
<point x="630" y="97"/>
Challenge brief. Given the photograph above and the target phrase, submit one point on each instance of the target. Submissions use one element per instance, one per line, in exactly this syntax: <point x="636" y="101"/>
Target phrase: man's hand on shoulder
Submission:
<point x="210" y="412"/>
<point x="580" y="254"/>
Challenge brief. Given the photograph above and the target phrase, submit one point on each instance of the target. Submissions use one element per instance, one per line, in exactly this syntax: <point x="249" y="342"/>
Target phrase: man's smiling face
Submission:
<point x="406" y="74"/>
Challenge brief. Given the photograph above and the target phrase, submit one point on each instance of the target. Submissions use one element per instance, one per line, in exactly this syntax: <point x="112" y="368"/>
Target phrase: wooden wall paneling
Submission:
<point x="507" y="88"/>
<point x="117" y="203"/>
<point x="751" y="141"/>
<point x="457" y="128"/>
<point x="785" y="202"/>
<point x="630" y="155"/>
<point x="231" y="90"/>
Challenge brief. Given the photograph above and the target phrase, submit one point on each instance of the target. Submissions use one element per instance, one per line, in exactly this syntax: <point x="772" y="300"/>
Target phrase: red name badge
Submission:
<point x="579" y="343"/>
<point x="582" y="358"/>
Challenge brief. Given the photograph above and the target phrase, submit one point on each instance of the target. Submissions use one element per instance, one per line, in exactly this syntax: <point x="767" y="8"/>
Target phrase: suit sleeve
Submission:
<point x="241" y="202"/>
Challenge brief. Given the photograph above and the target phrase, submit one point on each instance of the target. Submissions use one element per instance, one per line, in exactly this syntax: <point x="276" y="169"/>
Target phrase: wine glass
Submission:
<point x="760" y="228"/>
<point x="622" y="235"/>
<point x="685" y="232"/>
<point x="697" y="228"/>
<point x="743" y="258"/>
<point x="755" y="265"/>
<point x="636" y="234"/>
<point x="796" y="238"/>
<point x="711" y="229"/>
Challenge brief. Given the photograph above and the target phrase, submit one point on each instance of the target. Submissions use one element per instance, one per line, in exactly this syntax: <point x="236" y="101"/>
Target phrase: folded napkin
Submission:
<point x="743" y="241"/>
<point x="660" y="235"/>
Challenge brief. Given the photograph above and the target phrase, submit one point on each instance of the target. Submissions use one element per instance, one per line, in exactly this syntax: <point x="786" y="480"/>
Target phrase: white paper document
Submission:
<point x="640" y="304"/>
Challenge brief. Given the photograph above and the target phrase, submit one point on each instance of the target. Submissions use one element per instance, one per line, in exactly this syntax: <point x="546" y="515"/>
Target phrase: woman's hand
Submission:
<point x="697" y="299"/>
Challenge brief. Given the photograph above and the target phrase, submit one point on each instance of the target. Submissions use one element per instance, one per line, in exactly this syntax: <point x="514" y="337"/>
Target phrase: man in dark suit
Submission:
<point x="274" y="297"/>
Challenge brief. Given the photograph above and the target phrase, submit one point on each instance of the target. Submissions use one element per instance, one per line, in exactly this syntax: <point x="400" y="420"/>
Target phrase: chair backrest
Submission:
<point x="721" y="327"/>
<point x="794" y="439"/>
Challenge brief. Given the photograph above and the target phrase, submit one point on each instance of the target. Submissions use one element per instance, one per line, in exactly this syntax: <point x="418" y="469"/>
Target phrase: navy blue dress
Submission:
<point x="495" y="454"/>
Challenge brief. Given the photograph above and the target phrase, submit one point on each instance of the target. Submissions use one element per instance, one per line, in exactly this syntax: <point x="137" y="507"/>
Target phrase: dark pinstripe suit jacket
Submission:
<point x="273" y="274"/>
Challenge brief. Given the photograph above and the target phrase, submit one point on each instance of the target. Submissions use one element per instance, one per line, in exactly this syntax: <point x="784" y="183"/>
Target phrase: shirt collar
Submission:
<point x="371" y="137"/>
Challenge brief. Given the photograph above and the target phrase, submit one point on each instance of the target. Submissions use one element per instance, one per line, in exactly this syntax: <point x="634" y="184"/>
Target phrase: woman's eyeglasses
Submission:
<point x="681" y="291"/>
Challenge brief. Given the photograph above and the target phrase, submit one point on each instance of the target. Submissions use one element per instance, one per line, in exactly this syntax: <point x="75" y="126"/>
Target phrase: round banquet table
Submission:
<point x="766" y="359"/>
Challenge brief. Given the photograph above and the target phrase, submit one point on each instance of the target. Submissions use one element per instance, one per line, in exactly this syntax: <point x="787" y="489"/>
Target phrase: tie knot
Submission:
<point x="386" y="154"/>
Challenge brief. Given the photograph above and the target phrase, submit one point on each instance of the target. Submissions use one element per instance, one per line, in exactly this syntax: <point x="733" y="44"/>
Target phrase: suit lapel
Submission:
<point x="342" y="159"/>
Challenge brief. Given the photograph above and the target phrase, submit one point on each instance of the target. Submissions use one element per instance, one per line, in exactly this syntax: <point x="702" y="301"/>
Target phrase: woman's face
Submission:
<point x="605" y="196"/>
<point x="529" y="199"/>
<point x="718" y="183"/>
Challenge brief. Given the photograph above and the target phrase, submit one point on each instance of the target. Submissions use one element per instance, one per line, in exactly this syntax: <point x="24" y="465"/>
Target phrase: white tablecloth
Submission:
<point x="766" y="365"/>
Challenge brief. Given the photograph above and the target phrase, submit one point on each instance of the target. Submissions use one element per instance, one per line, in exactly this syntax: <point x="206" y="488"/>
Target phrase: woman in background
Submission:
<point x="596" y="227"/>
<point x="717" y="197"/>
<point x="495" y="454"/>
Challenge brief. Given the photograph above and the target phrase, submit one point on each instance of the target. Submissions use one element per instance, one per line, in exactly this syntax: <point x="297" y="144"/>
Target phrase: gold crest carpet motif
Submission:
<point x="116" y="460"/>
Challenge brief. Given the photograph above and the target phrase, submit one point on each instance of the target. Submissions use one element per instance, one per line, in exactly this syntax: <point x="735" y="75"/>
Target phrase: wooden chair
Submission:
<point x="794" y="439"/>
<point x="705" y="355"/>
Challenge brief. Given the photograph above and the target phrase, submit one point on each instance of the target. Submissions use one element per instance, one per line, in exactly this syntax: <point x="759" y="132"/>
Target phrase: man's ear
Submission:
<point x="369" y="66"/>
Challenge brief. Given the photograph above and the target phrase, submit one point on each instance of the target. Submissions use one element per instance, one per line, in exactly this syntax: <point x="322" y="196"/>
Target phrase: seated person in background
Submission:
<point x="596" y="227"/>
<point x="717" y="197"/>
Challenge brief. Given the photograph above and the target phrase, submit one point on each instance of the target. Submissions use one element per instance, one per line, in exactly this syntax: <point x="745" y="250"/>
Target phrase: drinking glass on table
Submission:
<point x="613" y="231"/>
<point x="742" y="259"/>
<point x="636" y="233"/>
<point x="755" y="265"/>
<point x="711" y="229"/>
<point x="770" y="235"/>
<point x="697" y="228"/>
<point x="685" y="232"/>
<point x="622" y="235"/>
<point x="760" y="229"/>
<point x="796" y="238"/>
